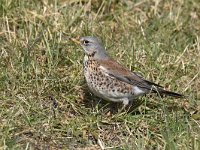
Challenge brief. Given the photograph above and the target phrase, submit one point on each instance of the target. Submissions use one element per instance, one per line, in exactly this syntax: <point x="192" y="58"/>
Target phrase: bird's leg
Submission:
<point x="125" y="102"/>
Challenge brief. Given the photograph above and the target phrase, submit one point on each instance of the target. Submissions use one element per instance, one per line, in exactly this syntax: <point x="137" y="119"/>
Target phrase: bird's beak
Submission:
<point x="76" y="40"/>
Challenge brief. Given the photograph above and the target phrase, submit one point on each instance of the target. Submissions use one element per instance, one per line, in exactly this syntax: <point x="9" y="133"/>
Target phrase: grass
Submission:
<point x="44" y="100"/>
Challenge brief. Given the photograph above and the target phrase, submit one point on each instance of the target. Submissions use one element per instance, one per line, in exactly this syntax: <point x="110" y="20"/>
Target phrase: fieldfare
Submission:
<point x="111" y="81"/>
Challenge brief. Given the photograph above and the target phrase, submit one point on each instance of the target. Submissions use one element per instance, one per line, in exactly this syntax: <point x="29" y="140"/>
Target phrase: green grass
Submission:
<point x="44" y="100"/>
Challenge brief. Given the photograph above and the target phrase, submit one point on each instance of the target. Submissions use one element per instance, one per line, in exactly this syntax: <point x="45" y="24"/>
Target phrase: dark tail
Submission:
<point x="168" y="93"/>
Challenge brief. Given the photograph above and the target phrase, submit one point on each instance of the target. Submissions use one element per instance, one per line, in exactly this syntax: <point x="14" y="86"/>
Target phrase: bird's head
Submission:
<point x="92" y="47"/>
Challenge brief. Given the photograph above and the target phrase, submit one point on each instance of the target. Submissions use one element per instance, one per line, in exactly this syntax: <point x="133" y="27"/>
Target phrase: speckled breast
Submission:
<point x="104" y="85"/>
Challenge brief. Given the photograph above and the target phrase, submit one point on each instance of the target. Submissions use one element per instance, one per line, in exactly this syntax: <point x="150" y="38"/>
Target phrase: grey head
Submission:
<point x="92" y="47"/>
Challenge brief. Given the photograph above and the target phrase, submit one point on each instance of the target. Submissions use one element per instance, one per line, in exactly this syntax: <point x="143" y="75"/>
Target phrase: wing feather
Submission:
<point x="115" y="70"/>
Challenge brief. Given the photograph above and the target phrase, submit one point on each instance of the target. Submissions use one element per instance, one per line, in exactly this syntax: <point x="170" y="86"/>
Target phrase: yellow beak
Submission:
<point x="76" y="40"/>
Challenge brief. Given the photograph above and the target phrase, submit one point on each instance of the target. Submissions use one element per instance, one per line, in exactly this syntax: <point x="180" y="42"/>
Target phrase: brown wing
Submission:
<point x="115" y="70"/>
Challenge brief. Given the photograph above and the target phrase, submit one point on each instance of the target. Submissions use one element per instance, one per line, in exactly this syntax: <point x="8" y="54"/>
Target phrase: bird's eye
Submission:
<point x="85" y="42"/>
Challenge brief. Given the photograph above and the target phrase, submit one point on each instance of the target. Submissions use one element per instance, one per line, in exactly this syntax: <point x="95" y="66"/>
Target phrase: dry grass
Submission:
<point x="44" y="101"/>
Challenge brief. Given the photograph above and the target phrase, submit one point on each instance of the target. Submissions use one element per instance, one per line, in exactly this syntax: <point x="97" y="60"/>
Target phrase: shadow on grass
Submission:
<point x="106" y="107"/>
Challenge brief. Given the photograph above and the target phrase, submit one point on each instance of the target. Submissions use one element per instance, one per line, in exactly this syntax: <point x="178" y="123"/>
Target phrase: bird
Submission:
<point x="109" y="80"/>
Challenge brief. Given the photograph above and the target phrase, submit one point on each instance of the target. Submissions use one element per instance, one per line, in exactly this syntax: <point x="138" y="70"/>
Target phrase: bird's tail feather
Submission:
<point x="168" y="93"/>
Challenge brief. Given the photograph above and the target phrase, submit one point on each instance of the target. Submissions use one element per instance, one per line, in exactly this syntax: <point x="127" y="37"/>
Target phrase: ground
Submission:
<point x="44" y="100"/>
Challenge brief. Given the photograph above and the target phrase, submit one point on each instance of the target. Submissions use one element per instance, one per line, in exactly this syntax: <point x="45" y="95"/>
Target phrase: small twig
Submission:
<point x="142" y="30"/>
<point x="186" y="48"/>
<point x="191" y="81"/>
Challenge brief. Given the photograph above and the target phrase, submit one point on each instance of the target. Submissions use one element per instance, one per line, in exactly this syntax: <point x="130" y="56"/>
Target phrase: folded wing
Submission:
<point x="115" y="70"/>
